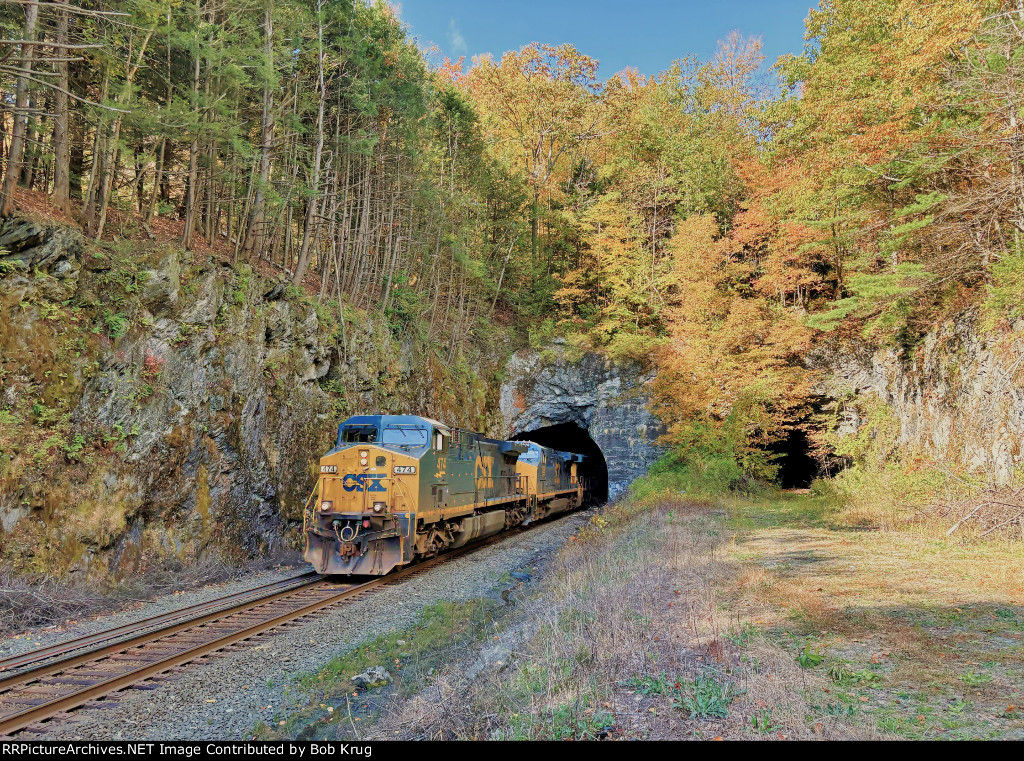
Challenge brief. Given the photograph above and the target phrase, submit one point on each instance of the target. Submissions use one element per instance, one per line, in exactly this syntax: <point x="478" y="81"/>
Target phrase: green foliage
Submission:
<point x="73" y="448"/>
<point x="885" y="296"/>
<point x="564" y="722"/>
<point x="116" y="324"/>
<point x="239" y="293"/>
<point x="704" y="696"/>
<point x="971" y="679"/>
<point x="651" y="685"/>
<point x="842" y="674"/>
<point x="809" y="658"/>
<point x="762" y="722"/>
<point x="1004" y="301"/>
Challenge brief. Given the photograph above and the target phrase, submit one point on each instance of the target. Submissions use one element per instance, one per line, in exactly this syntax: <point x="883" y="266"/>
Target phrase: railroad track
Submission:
<point x="145" y="652"/>
<point x="109" y="635"/>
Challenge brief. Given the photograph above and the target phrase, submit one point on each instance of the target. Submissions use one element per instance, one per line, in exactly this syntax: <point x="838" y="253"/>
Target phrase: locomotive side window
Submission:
<point x="438" y="441"/>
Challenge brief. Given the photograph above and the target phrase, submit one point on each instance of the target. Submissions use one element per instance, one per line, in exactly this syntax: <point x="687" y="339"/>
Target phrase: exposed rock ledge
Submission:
<point x="955" y="396"/>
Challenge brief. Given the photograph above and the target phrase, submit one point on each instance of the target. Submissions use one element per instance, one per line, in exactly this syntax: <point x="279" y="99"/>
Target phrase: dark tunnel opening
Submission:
<point x="569" y="437"/>
<point x="798" y="466"/>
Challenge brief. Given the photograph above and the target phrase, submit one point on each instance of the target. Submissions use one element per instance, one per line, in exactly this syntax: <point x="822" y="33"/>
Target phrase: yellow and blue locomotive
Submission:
<point x="400" y="487"/>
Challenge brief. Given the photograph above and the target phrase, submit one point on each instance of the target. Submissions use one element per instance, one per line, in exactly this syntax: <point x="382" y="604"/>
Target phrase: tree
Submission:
<point x="539" y="110"/>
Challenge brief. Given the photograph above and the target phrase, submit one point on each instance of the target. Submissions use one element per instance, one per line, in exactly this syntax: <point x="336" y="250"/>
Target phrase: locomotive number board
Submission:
<point x="405" y="470"/>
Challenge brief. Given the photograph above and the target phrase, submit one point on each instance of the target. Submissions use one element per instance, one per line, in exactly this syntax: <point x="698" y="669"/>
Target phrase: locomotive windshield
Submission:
<point x="406" y="436"/>
<point x="359" y="434"/>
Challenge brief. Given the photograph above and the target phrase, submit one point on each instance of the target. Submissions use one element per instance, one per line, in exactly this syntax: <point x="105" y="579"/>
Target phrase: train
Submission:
<point x="396" y="489"/>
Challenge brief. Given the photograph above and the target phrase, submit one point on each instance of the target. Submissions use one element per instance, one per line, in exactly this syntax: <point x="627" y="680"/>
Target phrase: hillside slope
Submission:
<point x="161" y="404"/>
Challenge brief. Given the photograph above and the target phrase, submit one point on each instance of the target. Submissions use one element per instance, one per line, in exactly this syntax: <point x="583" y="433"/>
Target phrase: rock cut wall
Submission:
<point x="955" y="396"/>
<point x="157" y="405"/>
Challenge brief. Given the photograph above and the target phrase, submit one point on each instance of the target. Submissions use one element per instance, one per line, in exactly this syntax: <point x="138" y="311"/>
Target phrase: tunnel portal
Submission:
<point x="570" y="437"/>
<point x="586" y="404"/>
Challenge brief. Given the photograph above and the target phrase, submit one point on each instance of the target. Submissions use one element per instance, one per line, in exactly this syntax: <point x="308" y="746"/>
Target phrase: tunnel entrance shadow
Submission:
<point x="570" y="437"/>
<point x="797" y="465"/>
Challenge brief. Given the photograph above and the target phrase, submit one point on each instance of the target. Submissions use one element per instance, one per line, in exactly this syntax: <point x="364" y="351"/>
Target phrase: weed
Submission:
<point x="808" y="658"/>
<point x="740" y="636"/>
<point x="841" y="709"/>
<point x="974" y="680"/>
<point x="843" y="674"/>
<point x="73" y="449"/>
<point x="762" y="722"/>
<point x="650" y="685"/>
<point x="116" y="324"/>
<point x="705" y="696"/>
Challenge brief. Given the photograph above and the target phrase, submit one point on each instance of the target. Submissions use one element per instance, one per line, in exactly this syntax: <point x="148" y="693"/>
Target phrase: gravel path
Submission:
<point x="52" y="635"/>
<point x="223" y="697"/>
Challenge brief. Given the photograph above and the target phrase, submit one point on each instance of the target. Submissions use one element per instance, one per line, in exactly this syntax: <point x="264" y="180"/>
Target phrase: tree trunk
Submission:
<point x="61" y="197"/>
<point x="191" y="192"/>
<point x="307" y="228"/>
<point x="256" y="213"/>
<point x="17" y="151"/>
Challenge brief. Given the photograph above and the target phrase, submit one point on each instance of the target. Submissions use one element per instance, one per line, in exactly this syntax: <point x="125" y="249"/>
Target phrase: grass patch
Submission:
<point x="328" y="705"/>
<point x="917" y="631"/>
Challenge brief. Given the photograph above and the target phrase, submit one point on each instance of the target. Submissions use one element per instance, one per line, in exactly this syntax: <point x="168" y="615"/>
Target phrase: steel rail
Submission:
<point x="20" y="720"/>
<point x="54" y="667"/>
<point x="34" y="656"/>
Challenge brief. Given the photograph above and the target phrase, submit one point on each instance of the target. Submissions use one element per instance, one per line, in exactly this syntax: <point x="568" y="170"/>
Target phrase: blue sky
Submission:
<point x="647" y="34"/>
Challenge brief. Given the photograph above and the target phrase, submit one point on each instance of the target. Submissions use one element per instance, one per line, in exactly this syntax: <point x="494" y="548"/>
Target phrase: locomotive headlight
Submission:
<point x="362" y="461"/>
<point x="378" y="507"/>
<point x="326" y="506"/>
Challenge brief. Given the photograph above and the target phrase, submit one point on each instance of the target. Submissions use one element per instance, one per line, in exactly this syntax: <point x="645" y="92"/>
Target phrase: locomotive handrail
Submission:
<point x="307" y="514"/>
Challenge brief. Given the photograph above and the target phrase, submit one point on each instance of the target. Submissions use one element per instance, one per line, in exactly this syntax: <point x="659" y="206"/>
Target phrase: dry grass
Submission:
<point x="934" y="625"/>
<point x="628" y="622"/>
<point x="789" y="621"/>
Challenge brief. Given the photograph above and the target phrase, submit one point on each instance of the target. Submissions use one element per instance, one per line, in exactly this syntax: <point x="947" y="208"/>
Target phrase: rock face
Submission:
<point x="955" y="396"/>
<point x="156" y="405"/>
<point x="609" y="401"/>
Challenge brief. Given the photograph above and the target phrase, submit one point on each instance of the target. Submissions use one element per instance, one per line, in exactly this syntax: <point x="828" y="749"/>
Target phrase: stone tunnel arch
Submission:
<point x="570" y="437"/>
<point x="546" y="393"/>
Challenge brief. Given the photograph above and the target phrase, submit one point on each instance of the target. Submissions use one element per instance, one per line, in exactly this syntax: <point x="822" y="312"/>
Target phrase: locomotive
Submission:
<point x="397" y="488"/>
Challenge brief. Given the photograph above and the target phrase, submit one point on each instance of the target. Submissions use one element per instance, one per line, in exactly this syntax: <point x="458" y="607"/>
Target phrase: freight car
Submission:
<point x="396" y="488"/>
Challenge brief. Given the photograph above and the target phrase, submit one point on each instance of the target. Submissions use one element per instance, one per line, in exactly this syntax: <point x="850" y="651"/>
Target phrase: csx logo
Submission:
<point x="363" y="482"/>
